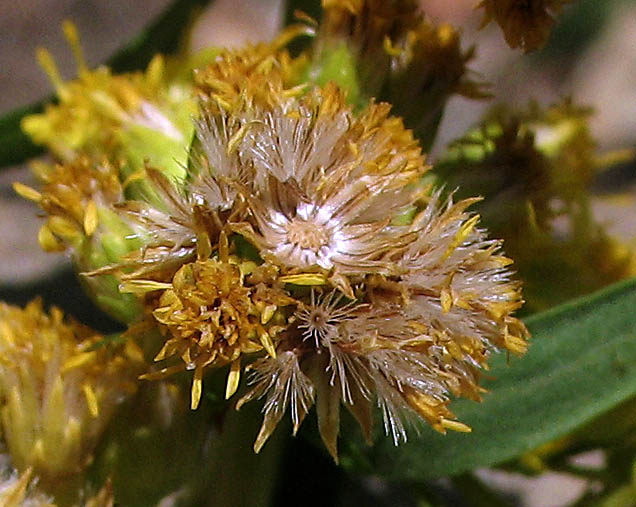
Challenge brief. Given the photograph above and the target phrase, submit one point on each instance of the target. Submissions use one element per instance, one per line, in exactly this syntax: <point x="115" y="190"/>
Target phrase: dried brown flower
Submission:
<point x="327" y="184"/>
<point x="526" y="24"/>
<point x="410" y="340"/>
<point x="327" y="264"/>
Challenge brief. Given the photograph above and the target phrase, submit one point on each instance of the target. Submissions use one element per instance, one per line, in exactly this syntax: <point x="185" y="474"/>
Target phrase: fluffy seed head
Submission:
<point x="310" y="245"/>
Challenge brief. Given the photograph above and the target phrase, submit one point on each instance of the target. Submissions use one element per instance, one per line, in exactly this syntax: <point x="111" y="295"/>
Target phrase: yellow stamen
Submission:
<point x="64" y="228"/>
<point x="78" y="360"/>
<point x="305" y="279"/>
<point x="236" y="139"/>
<point x="515" y="344"/>
<point x="266" y="341"/>
<point x="45" y="59"/>
<point x="70" y="32"/>
<point x="446" y="300"/>
<point x="224" y="247"/>
<point x="155" y="70"/>
<point x="462" y="234"/>
<point x="268" y="313"/>
<point x="143" y="286"/>
<point x="163" y="372"/>
<point x="204" y="247"/>
<point x="390" y="49"/>
<point x="136" y="176"/>
<point x="48" y="241"/>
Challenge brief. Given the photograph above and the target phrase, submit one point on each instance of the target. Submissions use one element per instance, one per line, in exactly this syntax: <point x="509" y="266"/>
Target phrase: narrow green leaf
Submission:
<point x="312" y="8"/>
<point x="581" y="363"/>
<point x="163" y="35"/>
<point x="15" y="146"/>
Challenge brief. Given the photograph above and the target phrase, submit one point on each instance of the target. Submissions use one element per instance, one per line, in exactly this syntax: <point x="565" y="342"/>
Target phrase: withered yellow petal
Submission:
<point x="91" y="399"/>
<point x="233" y="378"/>
<point x="305" y="279"/>
<point x="27" y="192"/>
<point x="90" y="218"/>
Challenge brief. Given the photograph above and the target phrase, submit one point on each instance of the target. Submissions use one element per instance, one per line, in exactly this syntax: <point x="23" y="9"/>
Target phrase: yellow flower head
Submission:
<point x="77" y="197"/>
<point x="213" y="313"/>
<point x="58" y="387"/>
<point x="71" y="195"/>
<point x="239" y="79"/>
<point x="128" y="118"/>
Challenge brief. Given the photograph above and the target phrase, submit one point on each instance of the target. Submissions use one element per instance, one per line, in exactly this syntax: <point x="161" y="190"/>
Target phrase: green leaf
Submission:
<point x="337" y="64"/>
<point x="15" y="146"/>
<point x="163" y="35"/>
<point x="581" y="363"/>
<point x="312" y="8"/>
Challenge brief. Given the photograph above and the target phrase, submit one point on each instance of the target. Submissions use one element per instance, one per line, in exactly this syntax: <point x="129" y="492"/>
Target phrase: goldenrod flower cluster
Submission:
<point x="304" y="245"/>
<point x="275" y="219"/>
<point x="59" y="386"/>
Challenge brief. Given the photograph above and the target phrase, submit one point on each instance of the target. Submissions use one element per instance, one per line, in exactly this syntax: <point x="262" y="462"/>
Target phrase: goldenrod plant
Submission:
<point x="266" y="228"/>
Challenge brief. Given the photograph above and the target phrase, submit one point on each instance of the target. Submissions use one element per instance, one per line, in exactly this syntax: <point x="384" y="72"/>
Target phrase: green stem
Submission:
<point x="241" y="477"/>
<point x="157" y="448"/>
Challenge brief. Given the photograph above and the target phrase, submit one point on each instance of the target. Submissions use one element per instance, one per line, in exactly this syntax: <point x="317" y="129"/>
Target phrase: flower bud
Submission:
<point x="77" y="197"/>
<point x="131" y="118"/>
<point x="391" y="52"/>
<point x="525" y="24"/>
